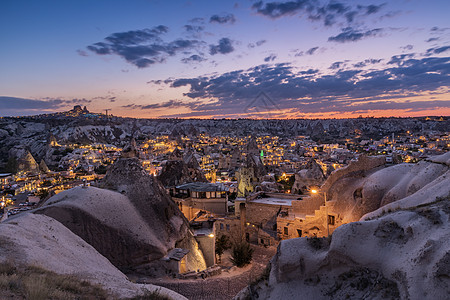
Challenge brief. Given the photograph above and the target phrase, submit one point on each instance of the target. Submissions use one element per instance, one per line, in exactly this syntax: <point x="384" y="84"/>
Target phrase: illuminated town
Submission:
<point x="273" y="149"/>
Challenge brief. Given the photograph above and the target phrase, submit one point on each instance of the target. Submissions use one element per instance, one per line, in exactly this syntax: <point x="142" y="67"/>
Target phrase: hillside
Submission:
<point x="400" y="249"/>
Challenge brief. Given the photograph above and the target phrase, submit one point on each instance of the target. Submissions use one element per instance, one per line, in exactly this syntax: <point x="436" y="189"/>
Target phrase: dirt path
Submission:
<point x="221" y="287"/>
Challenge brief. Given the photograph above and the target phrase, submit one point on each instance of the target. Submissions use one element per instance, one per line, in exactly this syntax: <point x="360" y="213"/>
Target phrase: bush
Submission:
<point x="222" y="244"/>
<point x="241" y="254"/>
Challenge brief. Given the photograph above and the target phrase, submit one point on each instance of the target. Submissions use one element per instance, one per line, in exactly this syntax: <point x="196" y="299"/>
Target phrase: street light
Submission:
<point x="314" y="191"/>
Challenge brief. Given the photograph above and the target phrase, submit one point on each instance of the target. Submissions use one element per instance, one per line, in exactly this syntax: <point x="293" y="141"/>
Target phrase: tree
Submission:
<point x="241" y="254"/>
<point x="222" y="244"/>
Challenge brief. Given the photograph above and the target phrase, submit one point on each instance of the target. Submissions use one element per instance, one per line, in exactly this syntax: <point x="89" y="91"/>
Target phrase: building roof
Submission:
<point x="176" y="254"/>
<point x="274" y="201"/>
<point x="203" y="187"/>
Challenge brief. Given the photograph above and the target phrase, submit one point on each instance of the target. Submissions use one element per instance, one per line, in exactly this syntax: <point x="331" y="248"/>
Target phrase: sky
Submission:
<point x="226" y="59"/>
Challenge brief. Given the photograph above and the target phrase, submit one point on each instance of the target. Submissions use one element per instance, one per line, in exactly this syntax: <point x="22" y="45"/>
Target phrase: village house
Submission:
<point x="193" y="197"/>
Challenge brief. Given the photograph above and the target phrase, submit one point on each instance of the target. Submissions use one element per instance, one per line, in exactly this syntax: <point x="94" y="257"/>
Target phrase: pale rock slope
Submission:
<point x="401" y="255"/>
<point x="32" y="239"/>
<point x="134" y="225"/>
<point x="398" y="251"/>
<point x="367" y="185"/>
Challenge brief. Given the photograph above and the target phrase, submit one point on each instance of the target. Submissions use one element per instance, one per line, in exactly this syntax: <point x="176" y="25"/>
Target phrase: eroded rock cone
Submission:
<point x="134" y="223"/>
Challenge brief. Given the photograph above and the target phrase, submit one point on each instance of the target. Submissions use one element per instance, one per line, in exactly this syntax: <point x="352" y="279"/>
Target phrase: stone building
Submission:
<point x="194" y="197"/>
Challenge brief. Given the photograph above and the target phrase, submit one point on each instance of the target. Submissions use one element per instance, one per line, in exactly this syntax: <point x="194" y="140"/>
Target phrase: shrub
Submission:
<point x="241" y="254"/>
<point x="222" y="244"/>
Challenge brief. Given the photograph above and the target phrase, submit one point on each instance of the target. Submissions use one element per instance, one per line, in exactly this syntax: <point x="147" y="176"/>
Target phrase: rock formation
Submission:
<point x="130" y="150"/>
<point x="311" y="175"/>
<point x="134" y="225"/>
<point x="367" y="185"/>
<point x="38" y="240"/>
<point x="180" y="171"/>
<point x="43" y="167"/>
<point x="400" y="250"/>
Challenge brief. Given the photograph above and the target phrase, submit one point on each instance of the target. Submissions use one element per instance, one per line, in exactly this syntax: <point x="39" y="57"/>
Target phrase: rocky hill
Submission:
<point x="397" y="251"/>
<point x="37" y="240"/>
<point x="134" y="225"/>
<point x="35" y="132"/>
<point x="368" y="184"/>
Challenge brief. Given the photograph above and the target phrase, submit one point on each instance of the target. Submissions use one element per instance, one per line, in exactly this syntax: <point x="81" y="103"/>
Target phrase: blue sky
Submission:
<point x="295" y="59"/>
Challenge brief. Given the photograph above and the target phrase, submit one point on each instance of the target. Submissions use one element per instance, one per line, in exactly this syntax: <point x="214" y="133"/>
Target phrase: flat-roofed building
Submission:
<point x="196" y="196"/>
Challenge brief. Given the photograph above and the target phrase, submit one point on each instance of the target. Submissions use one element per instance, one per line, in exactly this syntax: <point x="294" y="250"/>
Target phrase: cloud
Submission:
<point x="312" y="91"/>
<point x="312" y="50"/>
<point x="225" y="46"/>
<point x="314" y="10"/>
<point x="350" y="34"/>
<point x="257" y="44"/>
<point x="142" y="48"/>
<point x="336" y="65"/>
<point x="193" y="58"/>
<point x="437" y="50"/>
<point x="162" y="105"/>
<point x="369" y="61"/>
<point x="432" y="40"/>
<point x="193" y="28"/>
<point x="407" y="47"/>
<point x="269" y="58"/>
<point x="14" y="106"/>
<point x="223" y="19"/>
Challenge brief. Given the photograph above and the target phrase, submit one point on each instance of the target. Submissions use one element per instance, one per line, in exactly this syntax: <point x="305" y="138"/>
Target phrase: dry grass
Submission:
<point x="35" y="283"/>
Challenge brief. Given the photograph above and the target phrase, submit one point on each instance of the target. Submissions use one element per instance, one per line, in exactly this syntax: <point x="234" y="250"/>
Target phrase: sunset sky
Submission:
<point x="232" y="59"/>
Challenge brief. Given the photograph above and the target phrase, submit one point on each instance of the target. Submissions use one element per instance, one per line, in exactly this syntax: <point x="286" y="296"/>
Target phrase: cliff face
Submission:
<point x="367" y="185"/>
<point x="134" y="225"/>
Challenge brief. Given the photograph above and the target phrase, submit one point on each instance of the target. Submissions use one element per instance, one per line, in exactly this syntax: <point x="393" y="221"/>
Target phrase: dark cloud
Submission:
<point x="193" y="58"/>
<point x="193" y="28"/>
<point x="167" y="104"/>
<point x="223" y="19"/>
<point x="270" y="58"/>
<point x="399" y="59"/>
<point x="13" y="106"/>
<point x="371" y="9"/>
<point x="366" y="62"/>
<point x="9" y="103"/>
<point x="407" y="47"/>
<point x="225" y="46"/>
<point x="432" y="40"/>
<point x="142" y="48"/>
<point x="314" y="10"/>
<point x="312" y="50"/>
<point x="437" y="50"/>
<point x="197" y="21"/>
<point x="311" y="91"/>
<point x="257" y="44"/>
<point x="350" y="34"/>
<point x="336" y="65"/>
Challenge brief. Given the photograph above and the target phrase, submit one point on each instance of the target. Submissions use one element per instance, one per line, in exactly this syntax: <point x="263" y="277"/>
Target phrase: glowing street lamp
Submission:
<point x="314" y="191"/>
